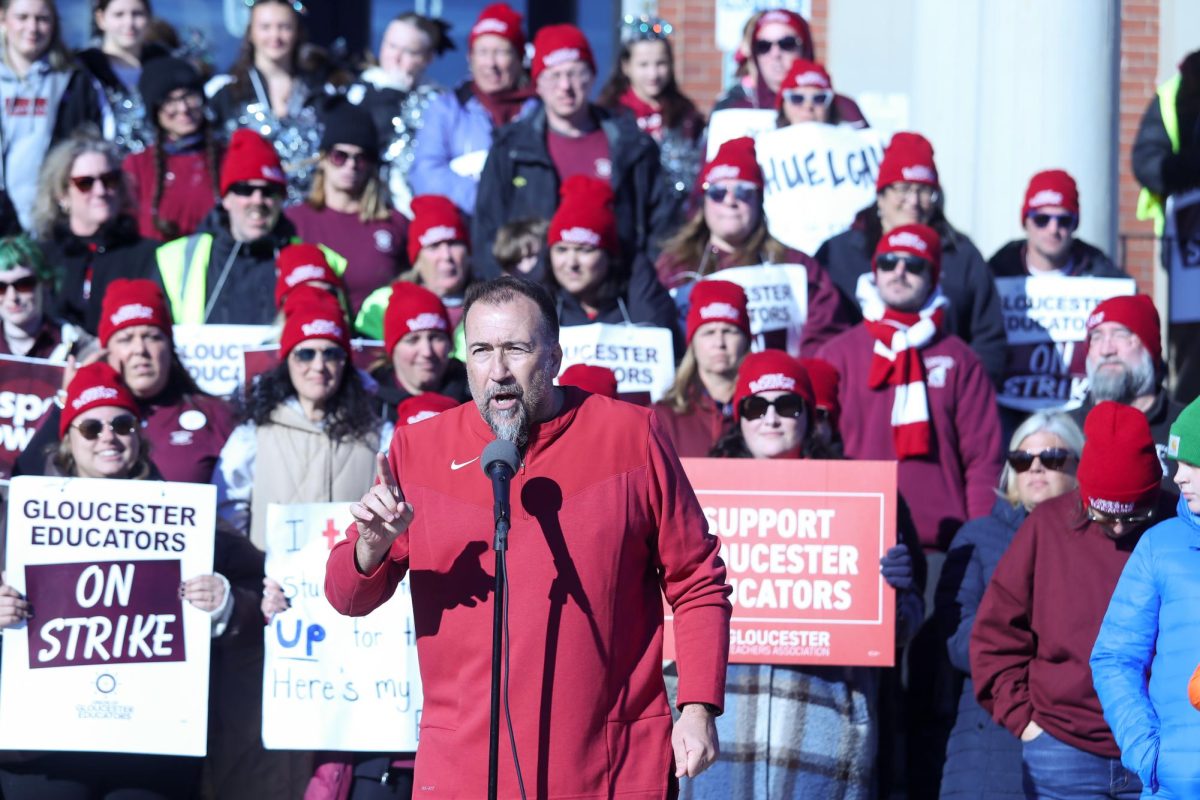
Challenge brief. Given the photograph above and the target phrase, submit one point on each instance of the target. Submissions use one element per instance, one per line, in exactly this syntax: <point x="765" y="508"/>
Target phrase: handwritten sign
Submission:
<point x="733" y="123"/>
<point x="817" y="177"/>
<point x="27" y="389"/>
<point x="213" y="353"/>
<point x="1045" y="321"/>
<point x="803" y="562"/>
<point x="1182" y="238"/>
<point x="113" y="659"/>
<point x="332" y="682"/>
<point x="776" y="301"/>
<point x="643" y="359"/>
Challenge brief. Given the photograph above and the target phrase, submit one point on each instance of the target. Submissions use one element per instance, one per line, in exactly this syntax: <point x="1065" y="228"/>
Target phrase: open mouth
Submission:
<point x="505" y="400"/>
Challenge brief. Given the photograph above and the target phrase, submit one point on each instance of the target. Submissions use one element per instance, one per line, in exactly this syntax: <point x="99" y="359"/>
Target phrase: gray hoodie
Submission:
<point x="27" y="121"/>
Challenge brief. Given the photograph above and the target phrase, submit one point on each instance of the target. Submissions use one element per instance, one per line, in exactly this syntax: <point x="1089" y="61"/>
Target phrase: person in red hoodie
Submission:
<point x="1039" y="618"/>
<point x="604" y="523"/>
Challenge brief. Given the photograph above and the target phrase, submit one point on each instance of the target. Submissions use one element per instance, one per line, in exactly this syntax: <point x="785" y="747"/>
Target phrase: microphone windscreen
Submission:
<point x="502" y="451"/>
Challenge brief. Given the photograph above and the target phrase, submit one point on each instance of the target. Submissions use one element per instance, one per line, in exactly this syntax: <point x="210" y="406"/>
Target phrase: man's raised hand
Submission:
<point x="381" y="516"/>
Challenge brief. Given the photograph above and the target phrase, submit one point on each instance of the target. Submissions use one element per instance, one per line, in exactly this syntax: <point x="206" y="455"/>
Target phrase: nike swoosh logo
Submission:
<point x="457" y="466"/>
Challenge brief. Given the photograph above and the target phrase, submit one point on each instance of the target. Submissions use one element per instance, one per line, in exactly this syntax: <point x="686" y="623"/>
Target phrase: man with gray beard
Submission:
<point x="1124" y="364"/>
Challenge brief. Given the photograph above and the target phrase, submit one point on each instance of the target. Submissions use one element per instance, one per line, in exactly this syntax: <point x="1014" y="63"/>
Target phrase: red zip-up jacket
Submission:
<point x="604" y="522"/>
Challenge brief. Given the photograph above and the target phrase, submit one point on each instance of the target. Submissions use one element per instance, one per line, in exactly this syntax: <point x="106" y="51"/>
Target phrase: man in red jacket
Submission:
<point x="604" y="523"/>
<point x="1041" y="613"/>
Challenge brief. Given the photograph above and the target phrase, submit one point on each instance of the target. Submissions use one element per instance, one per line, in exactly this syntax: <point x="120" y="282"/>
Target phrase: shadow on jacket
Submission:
<point x="1087" y="261"/>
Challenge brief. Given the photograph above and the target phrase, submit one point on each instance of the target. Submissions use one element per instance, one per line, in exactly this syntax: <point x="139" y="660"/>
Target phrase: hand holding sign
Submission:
<point x="381" y="515"/>
<point x="205" y="592"/>
<point x="13" y="607"/>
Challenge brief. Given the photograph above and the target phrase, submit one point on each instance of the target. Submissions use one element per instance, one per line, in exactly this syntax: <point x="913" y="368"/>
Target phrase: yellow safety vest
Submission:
<point x="183" y="267"/>
<point x="1150" y="205"/>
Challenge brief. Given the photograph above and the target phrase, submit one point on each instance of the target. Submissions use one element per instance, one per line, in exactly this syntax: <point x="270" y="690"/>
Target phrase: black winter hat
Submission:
<point x="163" y="75"/>
<point x="350" y="124"/>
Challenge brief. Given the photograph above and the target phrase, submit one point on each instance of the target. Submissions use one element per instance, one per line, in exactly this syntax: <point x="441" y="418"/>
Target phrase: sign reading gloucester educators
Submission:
<point x="113" y="658"/>
<point x="1182" y="236"/>
<point x="213" y="353"/>
<point x="643" y="359"/>
<point x="776" y="301"/>
<point x="1045" y="321"/>
<point x="801" y="541"/>
<point x="27" y="389"/>
<point x="332" y="682"/>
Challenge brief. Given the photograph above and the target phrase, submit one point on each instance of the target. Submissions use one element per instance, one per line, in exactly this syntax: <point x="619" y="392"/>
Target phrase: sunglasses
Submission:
<point x="796" y="97"/>
<point x="743" y="192"/>
<point x="1055" y="458"/>
<point x="331" y="355"/>
<point x="787" y="405"/>
<point x="272" y="190"/>
<point x="22" y="285"/>
<point x="339" y="158"/>
<point x="109" y="180"/>
<point x="121" y="425"/>
<point x="1113" y="520"/>
<point x="912" y="265"/>
<point x="788" y="44"/>
<point x="1066" y="222"/>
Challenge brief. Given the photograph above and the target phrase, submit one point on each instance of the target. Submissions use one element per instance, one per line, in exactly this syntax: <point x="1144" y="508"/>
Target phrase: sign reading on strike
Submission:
<point x="27" y="389"/>
<point x="776" y="300"/>
<point x="1045" y="321"/>
<point x="113" y="658"/>
<point x="332" y="682"/>
<point x="643" y="359"/>
<point x="801" y="541"/>
<point x="213" y="353"/>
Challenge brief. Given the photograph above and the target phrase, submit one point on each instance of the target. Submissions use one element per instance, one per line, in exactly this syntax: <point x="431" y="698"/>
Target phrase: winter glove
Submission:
<point x="896" y="566"/>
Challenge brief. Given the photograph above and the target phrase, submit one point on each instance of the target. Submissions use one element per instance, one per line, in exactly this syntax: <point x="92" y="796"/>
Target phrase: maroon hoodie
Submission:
<point x="694" y="433"/>
<point x="957" y="481"/>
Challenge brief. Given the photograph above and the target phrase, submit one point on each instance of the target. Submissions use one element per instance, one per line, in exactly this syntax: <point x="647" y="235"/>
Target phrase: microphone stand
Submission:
<point x="500" y="546"/>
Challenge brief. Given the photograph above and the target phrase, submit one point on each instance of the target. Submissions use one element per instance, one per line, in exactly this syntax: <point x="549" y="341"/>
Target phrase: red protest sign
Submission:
<point x="801" y="541"/>
<point x="27" y="389"/>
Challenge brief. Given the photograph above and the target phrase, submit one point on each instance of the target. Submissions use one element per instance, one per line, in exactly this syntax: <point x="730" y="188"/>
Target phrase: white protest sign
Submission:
<point x="332" y="682"/>
<point x="1182" y="236"/>
<point x="1045" y="321"/>
<point x="732" y="123"/>
<point x="213" y="353"/>
<point x="776" y="300"/>
<point x="113" y="658"/>
<point x="816" y="178"/>
<point x="643" y="359"/>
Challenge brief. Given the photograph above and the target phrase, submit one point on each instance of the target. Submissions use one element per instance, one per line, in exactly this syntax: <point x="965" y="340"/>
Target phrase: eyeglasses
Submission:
<point x="788" y="44"/>
<point x="886" y="262"/>
<point x="339" y="158"/>
<point x="121" y="425"/>
<point x="1117" y="335"/>
<point x="922" y="191"/>
<point x="22" y="285"/>
<point x="1054" y="458"/>
<point x="331" y="355"/>
<point x="110" y="180"/>
<point x="796" y="97"/>
<point x="271" y="191"/>
<point x="1113" y="520"/>
<point x="189" y="99"/>
<point x="786" y="405"/>
<point x="1066" y="222"/>
<point x="743" y="192"/>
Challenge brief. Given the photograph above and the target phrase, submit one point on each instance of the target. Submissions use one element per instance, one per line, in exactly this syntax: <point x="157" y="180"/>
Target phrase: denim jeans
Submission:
<point x="1054" y="770"/>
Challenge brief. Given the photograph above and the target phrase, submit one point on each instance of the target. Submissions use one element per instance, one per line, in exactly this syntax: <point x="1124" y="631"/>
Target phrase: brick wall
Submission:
<point x="1138" y="77"/>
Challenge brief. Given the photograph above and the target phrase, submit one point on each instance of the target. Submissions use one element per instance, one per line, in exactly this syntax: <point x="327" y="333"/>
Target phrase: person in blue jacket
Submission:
<point x="1149" y="643"/>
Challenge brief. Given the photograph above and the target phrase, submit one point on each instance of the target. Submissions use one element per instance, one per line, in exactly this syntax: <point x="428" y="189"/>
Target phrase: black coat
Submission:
<point x="519" y="181"/>
<point x="1156" y="164"/>
<point x="1087" y="261"/>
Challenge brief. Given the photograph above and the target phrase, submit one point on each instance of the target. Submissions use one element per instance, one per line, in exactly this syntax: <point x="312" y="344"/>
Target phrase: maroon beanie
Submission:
<point x="250" y="157"/>
<point x="585" y="215"/>
<point x="412" y="308"/>
<point x="921" y="241"/>
<point x="735" y="160"/>
<point x="95" y="386"/>
<point x="133" y="302"/>
<point x="717" y="301"/>
<point x="804" y="73"/>
<point x="300" y="264"/>
<point x="1136" y="312"/>
<point x="771" y="371"/>
<point x="559" y="44"/>
<point x="435" y="220"/>
<point x="908" y="158"/>
<point x="1119" y="468"/>
<point x="312" y="314"/>
<point x="1054" y="187"/>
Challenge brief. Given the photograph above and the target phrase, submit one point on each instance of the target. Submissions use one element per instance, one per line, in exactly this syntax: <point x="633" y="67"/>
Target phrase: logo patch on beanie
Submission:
<point x="722" y="172"/>
<point x="1173" y="445"/>
<point x="811" y="78"/>
<point x="918" y="172"/>
<point x="773" y="382"/>
<point x="562" y="55"/>
<point x="774" y="18"/>
<point x="908" y="239"/>
<point x="437" y="234"/>
<point x="578" y="235"/>
<point x="94" y="395"/>
<point x="132" y="311"/>
<point x="307" y="272"/>
<point x="1110" y="506"/>
<point x="1095" y="319"/>
<point x="321" y="327"/>
<point x="1046" y="197"/>
<point x="490" y="25"/>
<point x="427" y="321"/>
<point x="720" y="311"/>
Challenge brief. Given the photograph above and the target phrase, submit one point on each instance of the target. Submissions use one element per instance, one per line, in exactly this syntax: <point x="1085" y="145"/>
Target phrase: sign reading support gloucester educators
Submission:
<point x="113" y="658"/>
<point x="27" y="389"/>
<point x="332" y="682"/>
<point x="643" y="359"/>
<point x="1045" y="321"/>
<point x="801" y="541"/>
<point x="213" y="353"/>
<point x="733" y="123"/>
<point x="1182" y="236"/>
<point x="777" y="302"/>
<point x="816" y="178"/>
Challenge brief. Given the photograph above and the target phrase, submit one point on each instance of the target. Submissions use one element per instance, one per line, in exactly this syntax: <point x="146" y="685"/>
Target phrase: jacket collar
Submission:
<point x="541" y="434"/>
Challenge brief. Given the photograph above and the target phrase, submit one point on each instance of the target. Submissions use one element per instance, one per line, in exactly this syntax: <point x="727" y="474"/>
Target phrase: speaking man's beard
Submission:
<point x="1121" y="385"/>
<point x="513" y="424"/>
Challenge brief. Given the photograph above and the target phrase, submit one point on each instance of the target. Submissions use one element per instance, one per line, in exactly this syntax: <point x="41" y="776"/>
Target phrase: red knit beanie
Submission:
<point x="1054" y="187"/>
<point x="1138" y="314"/>
<point x="435" y="220"/>
<point x="825" y="378"/>
<point x="133" y="302"/>
<point x="499" y="19"/>
<point x="917" y="240"/>
<point x="421" y="407"/>
<point x="771" y="371"/>
<point x="909" y="158"/>
<point x="590" y="378"/>
<point x="584" y="215"/>
<point x="781" y="16"/>
<point x="412" y="308"/>
<point x="735" y="160"/>
<point x="717" y="301"/>
<point x="94" y="386"/>
<point x="300" y="264"/>
<point x="804" y="74"/>
<point x="559" y="44"/>
<point x="1119" y="468"/>
<point x="312" y="314"/>
<point x="250" y="157"/>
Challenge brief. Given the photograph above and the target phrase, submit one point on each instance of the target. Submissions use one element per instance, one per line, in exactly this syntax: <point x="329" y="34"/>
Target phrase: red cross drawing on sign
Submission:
<point x="331" y="533"/>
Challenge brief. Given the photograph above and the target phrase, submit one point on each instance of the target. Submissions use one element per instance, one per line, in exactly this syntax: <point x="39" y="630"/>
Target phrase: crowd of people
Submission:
<point x="1044" y="571"/>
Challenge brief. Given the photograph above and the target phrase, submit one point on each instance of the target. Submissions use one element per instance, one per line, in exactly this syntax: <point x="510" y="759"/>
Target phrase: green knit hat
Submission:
<point x="1184" y="442"/>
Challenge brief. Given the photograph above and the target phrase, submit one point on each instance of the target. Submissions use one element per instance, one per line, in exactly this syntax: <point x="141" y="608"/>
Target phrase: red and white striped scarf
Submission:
<point x="899" y="338"/>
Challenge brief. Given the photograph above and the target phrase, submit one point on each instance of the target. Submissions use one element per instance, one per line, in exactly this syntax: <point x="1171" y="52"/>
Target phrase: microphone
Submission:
<point x="500" y="461"/>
